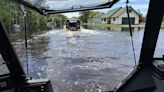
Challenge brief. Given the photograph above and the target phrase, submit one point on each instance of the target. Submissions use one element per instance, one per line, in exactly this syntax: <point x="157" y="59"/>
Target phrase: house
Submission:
<point x="119" y="16"/>
<point x="96" y="19"/>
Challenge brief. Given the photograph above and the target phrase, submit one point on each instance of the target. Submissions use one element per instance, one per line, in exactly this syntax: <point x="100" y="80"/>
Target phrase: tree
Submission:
<point x="9" y="13"/>
<point x="58" y="19"/>
<point x="86" y="15"/>
<point x="35" y="20"/>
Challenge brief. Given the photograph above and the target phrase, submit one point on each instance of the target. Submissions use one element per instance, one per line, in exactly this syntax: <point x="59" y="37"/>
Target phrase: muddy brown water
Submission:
<point x="90" y="60"/>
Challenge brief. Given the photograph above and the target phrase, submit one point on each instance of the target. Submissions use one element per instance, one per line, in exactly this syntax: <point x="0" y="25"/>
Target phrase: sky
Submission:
<point x="138" y="5"/>
<point x="68" y="4"/>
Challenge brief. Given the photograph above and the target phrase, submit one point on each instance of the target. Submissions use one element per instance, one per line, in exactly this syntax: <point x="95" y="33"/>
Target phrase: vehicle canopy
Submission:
<point x="139" y="79"/>
<point x="60" y="6"/>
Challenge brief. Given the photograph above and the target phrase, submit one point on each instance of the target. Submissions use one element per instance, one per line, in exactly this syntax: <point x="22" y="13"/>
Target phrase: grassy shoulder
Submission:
<point x="112" y="25"/>
<point x="116" y="25"/>
<point x="101" y="25"/>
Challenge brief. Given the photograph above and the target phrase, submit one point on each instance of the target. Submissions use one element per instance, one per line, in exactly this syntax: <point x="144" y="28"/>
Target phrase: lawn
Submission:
<point x="112" y="25"/>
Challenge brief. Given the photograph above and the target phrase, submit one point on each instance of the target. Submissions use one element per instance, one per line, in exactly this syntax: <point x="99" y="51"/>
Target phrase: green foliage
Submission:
<point x="35" y="20"/>
<point x="86" y="15"/>
<point x="10" y="13"/>
<point x="57" y="19"/>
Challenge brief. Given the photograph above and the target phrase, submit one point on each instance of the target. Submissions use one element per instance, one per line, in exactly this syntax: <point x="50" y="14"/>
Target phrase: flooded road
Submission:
<point x="90" y="60"/>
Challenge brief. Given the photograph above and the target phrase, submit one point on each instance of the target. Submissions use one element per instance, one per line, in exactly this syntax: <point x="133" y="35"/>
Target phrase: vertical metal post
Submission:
<point x="26" y="44"/>
<point x="153" y="24"/>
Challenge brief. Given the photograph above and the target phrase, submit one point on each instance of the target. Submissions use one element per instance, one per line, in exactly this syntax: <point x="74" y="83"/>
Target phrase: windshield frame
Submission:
<point x="43" y="11"/>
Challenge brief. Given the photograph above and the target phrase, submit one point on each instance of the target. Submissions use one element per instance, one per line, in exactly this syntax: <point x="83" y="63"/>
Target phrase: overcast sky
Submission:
<point x="138" y="5"/>
<point x="68" y="4"/>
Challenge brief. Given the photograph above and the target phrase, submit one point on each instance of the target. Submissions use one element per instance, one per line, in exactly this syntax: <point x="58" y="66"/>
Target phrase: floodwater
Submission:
<point x="90" y="60"/>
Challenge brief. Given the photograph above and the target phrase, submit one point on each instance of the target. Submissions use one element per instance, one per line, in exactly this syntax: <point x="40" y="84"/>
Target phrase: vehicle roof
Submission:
<point x="60" y="6"/>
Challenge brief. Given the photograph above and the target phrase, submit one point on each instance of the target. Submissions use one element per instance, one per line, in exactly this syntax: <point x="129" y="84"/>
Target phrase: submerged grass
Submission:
<point x="102" y="25"/>
<point x="112" y="25"/>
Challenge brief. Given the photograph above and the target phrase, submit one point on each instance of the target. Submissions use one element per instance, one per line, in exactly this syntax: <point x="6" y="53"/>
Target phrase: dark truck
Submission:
<point x="73" y="24"/>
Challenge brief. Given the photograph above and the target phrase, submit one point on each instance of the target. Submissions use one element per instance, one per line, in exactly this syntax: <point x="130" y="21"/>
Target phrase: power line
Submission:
<point x="131" y="33"/>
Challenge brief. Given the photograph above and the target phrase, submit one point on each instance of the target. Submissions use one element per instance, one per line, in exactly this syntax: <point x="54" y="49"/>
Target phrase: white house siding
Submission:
<point x="116" y="21"/>
<point x="124" y="14"/>
<point x="104" y="22"/>
<point x="95" y="20"/>
<point x="98" y="21"/>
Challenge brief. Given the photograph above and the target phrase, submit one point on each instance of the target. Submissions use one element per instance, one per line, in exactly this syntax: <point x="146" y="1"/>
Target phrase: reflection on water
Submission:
<point x="90" y="60"/>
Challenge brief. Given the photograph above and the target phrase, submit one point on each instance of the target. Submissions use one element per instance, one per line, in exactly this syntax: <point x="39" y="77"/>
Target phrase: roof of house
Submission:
<point x="99" y="15"/>
<point x="111" y="12"/>
<point x="117" y="12"/>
